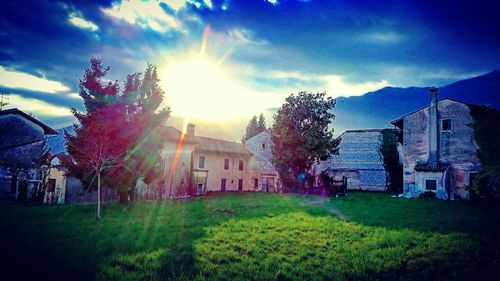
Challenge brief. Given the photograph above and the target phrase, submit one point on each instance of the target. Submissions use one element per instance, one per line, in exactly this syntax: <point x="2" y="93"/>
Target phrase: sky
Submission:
<point x="223" y="60"/>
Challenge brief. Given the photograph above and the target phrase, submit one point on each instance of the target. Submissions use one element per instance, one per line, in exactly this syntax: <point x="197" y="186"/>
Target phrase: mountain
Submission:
<point x="56" y="144"/>
<point x="376" y="109"/>
<point x="372" y="110"/>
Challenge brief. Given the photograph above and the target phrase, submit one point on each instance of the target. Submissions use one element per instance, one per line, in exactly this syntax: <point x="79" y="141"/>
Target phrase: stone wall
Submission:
<point x="359" y="160"/>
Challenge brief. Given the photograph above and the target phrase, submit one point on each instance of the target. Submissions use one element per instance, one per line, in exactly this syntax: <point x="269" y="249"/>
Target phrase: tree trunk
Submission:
<point x="98" y="214"/>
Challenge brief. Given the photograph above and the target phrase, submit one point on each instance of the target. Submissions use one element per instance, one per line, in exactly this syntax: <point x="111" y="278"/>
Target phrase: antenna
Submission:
<point x="3" y="100"/>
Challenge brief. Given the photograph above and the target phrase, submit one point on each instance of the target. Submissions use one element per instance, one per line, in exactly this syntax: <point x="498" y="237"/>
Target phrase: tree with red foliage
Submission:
<point x="119" y="136"/>
<point x="99" y="143"/>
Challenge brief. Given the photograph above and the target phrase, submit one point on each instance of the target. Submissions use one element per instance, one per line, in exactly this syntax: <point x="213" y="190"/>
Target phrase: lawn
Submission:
<point x="254" y="236"/>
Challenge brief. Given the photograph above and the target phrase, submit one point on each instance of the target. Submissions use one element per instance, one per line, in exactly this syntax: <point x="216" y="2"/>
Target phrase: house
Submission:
<point x="358" y="164"/>
<point x="439" y="151"/>
<point x="22" y="146"/>
<point x="56" y="182"/>
<point x="196" y="165"/>
<point x="262" y="173"/>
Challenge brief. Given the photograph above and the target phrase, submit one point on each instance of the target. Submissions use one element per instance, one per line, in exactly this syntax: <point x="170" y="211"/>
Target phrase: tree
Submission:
<point x="261" y="126"/>
<point x="137" y="137"/>
<point x="143" y="98"/>
<point x="255" y="126"/>
<point x="99" y="143"/>
<point x="388" y="152"/>
<point x="486" y="126"/>
<point x="102" y="135"/>
<point x="301" y="135"/>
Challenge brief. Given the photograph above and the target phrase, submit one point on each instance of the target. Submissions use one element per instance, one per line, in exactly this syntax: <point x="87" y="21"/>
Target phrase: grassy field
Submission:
<point x="250" y="236"/>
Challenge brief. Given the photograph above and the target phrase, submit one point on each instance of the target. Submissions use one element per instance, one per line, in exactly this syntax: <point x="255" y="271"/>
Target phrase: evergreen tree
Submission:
<point x="125" y="126"/>
<point x="261" y="123"/>
<point x="255" y="126"/>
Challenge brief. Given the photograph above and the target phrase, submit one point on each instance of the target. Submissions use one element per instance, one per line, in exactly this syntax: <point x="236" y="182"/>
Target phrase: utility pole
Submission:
<point x="2" y="98"/>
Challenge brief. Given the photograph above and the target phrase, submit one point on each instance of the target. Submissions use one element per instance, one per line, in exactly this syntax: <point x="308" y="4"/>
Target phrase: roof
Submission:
<point x="14" y="111"/>
<point x="217" y="145"/>
<point x="439" y="167"/>
<point x="206" y="144"/>
<point x="422" y="108"/>
<point x="364" y="131"/>
<point x="258" y="135"/>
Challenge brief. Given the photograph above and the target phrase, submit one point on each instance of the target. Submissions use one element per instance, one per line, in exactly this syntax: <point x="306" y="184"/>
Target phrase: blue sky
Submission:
<point x="258" y="51"/>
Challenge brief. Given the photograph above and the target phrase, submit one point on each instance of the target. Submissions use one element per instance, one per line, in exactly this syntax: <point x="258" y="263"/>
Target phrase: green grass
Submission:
<point x="247" y="236"/>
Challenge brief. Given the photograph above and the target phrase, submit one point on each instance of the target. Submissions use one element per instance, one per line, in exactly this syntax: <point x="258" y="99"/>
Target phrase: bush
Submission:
<point x="486" y="186"/>
<point x="428" y="195"/>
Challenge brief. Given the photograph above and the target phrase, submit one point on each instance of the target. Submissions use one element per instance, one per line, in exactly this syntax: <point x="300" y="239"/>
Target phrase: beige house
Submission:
<point x="195" y="165"/>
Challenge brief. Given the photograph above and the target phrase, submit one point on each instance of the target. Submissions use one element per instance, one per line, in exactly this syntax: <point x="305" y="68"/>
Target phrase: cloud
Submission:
<point x="273" y="2"/>
<point x="336" y="86"/>
<point x="146" y="14"/>
<point x="381" y="37"/>
<point x="37" y="107"/>
<point x="74" y="96"/>
<point x="20" y="80"/>
<point x="78" y="21"/>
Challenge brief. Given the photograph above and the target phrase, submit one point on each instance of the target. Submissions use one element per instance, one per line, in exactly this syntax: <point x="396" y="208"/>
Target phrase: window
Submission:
<point x="263" y="146"/>
<point x="446" y="124"/>
<point x="199" y="188"/>
<point x="201" y="162"/>
<point x="472" y="177"/>
<point x="226" y="164"/>
<point x="430" y="184"/>
<point x="255" y="183"/>
<point x="240" y="184"/>
<point x="240" y="165"/>
<point x="223" y="184"/>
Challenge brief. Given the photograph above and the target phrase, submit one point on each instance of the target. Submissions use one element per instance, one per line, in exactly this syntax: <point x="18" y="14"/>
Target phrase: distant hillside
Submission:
<point x="377" y="109"/>
<point x="56" y="144"/>
<point x="372" y="110"/>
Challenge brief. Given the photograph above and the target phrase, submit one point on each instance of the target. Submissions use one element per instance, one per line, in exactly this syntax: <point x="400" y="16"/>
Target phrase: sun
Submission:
<point x="198" y="87"/>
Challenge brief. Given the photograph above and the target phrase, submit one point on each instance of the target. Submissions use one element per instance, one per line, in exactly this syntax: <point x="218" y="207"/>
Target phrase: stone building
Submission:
<point x="262" y="172"/>
<point x="439" y="151"/>
<point x="358" y="165"/>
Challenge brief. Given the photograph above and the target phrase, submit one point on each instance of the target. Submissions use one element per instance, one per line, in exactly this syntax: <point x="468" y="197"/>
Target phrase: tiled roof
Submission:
<point x="14" y="111"/>
<point x="440" y="167"/>
<point x="206" y="144"/>
<point x="402" y="117"/>
<point x="217" y="145"/>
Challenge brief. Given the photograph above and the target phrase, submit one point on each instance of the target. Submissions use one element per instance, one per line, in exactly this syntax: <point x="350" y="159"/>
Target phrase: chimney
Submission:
<point x="190" y="131"/>
<point x="433" y="127"/>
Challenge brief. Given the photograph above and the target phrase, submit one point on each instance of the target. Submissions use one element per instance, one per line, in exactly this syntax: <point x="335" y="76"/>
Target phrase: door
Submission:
<point x="270" y="184"/>
<point x="223" y="185"/>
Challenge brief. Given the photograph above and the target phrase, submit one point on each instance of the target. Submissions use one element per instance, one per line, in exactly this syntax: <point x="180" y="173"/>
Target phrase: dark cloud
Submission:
<point x="404" y="42"/>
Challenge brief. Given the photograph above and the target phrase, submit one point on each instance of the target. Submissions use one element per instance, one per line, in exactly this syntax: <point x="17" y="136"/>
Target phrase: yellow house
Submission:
<point x="196" y="165"/>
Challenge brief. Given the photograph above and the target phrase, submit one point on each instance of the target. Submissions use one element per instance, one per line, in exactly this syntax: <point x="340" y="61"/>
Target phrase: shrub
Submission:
<point x="486" y="186"/>
<point x="428" y="195"/>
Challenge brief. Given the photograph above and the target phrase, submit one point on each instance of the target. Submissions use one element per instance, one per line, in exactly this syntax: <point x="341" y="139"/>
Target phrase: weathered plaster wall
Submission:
<point x="177" y="175"/>
<point x="457" y="147"/>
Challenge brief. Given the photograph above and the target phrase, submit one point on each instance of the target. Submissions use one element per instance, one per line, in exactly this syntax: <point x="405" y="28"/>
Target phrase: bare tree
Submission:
<point x="99" y="144"/>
